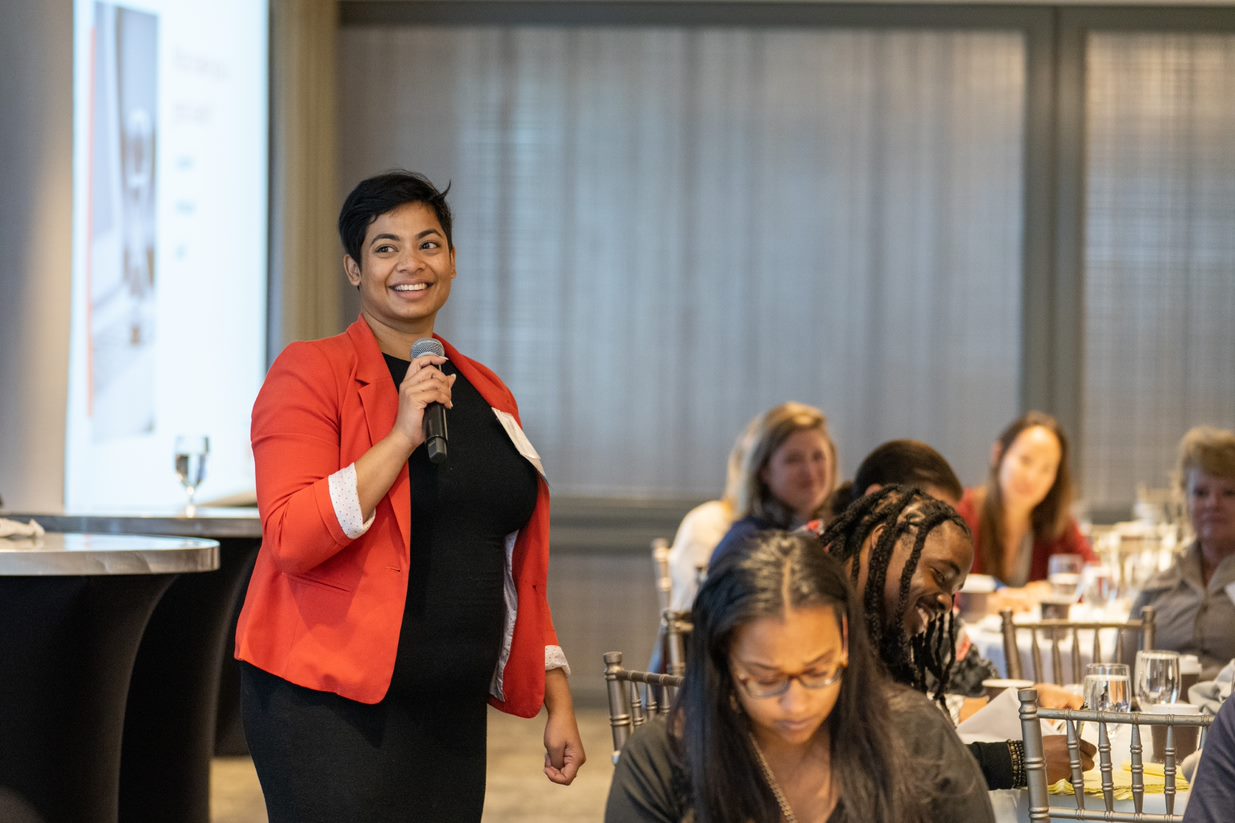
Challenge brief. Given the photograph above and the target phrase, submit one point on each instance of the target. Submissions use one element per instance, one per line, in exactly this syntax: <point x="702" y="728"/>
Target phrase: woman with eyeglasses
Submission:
<point x="786" y="716"/>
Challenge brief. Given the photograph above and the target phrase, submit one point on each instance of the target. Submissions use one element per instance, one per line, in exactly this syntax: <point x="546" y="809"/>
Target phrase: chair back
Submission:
<point x="1054" y="634"/>
<point x="630" y="706"/>
<point x="1035" y="763"/>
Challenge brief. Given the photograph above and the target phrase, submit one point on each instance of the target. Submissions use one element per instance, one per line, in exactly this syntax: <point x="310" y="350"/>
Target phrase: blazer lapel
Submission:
<point x="380" y="406"/>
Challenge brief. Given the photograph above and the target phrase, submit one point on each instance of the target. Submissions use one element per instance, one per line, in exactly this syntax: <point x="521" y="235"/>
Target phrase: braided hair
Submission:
<point x="925" y="661"/>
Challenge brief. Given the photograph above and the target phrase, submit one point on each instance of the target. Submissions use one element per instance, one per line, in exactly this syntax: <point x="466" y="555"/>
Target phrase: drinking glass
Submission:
<point x="1100" y="589"/>
<point x="1157" y="678"/>
<point x="191" y="451"/>
<point x="1107" y="687"/>
<point x="1063" y="572"/>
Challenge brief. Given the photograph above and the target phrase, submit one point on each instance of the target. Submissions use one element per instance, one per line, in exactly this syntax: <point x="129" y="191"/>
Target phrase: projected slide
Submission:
<point x="169" y="247"/>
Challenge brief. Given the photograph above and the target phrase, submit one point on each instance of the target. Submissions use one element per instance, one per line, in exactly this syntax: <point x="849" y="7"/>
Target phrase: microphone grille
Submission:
<point x="427" y="345"/>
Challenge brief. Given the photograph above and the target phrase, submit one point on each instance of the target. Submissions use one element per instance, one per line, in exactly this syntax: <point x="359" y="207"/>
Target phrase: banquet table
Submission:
<point x="75" y="607"/>
<point x="184" y="678"/>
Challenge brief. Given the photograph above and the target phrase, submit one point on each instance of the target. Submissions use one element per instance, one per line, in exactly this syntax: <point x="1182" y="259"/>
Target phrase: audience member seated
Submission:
<point x="908" y="555"/>
<point x="1213" y="788"/>
<point x="1193" y="598"/>
<point x="785" y="714"/>
<point x="703" y="527"/>
<point x="1023" y="514"/>
<point x="910" y="463"/>
<point x="787" y="474"/>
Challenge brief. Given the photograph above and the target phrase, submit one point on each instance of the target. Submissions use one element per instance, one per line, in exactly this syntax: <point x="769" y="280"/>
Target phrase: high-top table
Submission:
<point x="74" y="608"/>
<point x="185" y="680"/>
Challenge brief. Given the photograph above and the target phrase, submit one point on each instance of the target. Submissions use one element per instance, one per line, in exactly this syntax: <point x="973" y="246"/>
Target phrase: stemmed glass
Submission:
<point x="191" y="452"/>
<point x="1157" y="678"/>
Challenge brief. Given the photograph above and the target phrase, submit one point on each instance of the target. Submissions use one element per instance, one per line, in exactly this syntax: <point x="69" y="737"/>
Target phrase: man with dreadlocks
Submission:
<point x="908" y="554"/>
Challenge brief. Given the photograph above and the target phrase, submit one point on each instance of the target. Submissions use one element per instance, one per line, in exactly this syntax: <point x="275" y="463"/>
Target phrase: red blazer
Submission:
<point x="324" y="611"/>
<point x="1070" y="542"/>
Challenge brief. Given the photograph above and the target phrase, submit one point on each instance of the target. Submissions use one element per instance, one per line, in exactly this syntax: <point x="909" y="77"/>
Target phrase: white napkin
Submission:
<point x="15" y="528"/>
<point x="1000" y="719"/>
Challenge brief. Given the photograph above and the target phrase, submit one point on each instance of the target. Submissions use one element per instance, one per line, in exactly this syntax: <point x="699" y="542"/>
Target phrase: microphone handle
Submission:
<point x="435" y="432"/>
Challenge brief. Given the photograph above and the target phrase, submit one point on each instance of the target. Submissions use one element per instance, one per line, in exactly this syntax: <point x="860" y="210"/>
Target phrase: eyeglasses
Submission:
<point x="766" y="687"/>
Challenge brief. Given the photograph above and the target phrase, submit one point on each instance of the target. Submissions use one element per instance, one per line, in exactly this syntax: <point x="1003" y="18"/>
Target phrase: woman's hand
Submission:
<point x="1055" y="752"/>
<point x="424" y="383"/>
<point x="563" y="745"/>
<point x="377" y="468"/>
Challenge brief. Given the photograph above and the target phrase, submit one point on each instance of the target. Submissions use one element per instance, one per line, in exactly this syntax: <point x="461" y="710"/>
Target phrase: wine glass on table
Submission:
<point x="191" y="452"/>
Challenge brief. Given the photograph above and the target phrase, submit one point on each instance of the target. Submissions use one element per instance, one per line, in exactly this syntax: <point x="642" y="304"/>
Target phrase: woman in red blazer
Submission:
<point x="393" y="597"/>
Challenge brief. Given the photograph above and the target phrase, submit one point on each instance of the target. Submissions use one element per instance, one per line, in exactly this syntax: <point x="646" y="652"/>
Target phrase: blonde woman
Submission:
<point x="788" y="473"/>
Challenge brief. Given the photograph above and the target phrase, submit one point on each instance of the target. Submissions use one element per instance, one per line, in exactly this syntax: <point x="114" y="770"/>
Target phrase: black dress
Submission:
<point x="420" y="753"/>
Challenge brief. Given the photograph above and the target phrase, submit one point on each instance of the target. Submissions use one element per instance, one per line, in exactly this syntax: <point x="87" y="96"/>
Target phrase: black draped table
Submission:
<point x="184" y="697"/>
<point x="73" y="611"/>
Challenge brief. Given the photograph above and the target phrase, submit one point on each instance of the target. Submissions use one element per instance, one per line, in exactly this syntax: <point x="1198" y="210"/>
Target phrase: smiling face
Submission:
<point x="764" y="651"/>
<point x="1211" y="508"/>
<point x="1027" y="470"/>
<point x="942" y="568"/>
<point x="799" y="472"/>
<point x="405" y="274"/>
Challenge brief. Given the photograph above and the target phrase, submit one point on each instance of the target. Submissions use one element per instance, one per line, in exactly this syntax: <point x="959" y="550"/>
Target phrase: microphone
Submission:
<point x="435" y="413"/>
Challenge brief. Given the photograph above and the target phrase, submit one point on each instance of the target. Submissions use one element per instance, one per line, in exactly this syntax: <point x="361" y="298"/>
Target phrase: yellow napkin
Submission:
<point x="1155" y="781"/>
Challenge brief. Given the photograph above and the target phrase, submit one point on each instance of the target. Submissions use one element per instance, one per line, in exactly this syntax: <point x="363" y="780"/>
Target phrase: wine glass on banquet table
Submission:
<point x="191" y="452"/>
<point x="1107" y="687"/>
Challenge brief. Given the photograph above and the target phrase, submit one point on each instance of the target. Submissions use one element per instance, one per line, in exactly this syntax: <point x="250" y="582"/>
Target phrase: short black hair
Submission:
<point x="384" y="193"/>
<point x="901" y="462"/>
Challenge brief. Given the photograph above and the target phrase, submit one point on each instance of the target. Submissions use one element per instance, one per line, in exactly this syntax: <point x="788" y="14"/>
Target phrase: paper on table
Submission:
<point x="15" y="528"/>
<point x="999" y="720"/>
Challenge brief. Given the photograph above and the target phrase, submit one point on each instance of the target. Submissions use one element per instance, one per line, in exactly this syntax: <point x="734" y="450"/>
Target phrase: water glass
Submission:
<point x="1107" y="687"/>
<point x="1063" y="572"/>
<point x="1157" y="678"/>
<point x="1101" y="589"/>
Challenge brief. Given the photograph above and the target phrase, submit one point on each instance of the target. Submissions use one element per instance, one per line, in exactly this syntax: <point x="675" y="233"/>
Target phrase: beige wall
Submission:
<point x="36" y="144"/>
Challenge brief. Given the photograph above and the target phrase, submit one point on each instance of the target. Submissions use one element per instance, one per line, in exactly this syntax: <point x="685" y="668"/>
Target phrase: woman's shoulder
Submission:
<point x="648" y="783"/>
<point x="483" y="378"/>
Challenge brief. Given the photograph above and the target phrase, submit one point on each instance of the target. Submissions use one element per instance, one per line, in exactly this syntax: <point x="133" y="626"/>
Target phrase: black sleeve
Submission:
<point x="957" y="788"/>
<point x="995" y="760"/>
<point x="643" y="788"/>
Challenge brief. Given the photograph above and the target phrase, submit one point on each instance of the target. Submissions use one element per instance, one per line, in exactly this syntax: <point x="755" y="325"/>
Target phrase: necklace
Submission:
<point x="786" y="810"/>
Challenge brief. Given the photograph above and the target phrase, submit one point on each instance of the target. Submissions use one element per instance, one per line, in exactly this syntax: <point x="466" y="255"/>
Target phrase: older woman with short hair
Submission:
<point x="1193" y="598"/>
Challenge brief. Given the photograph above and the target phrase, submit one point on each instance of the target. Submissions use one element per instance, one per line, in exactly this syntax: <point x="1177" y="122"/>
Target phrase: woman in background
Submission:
<point x="1193" y="598"/>
<point x="1023" y="514"/>
<point x="788" y="473"/>
<point x="785" y="715"/>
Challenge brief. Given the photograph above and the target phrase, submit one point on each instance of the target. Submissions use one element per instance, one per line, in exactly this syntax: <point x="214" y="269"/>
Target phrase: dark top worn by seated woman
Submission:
<point x="650" y="783"/>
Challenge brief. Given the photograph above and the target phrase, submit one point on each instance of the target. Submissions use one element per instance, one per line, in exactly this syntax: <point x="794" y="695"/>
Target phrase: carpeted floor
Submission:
<point x="518" y="791"/>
